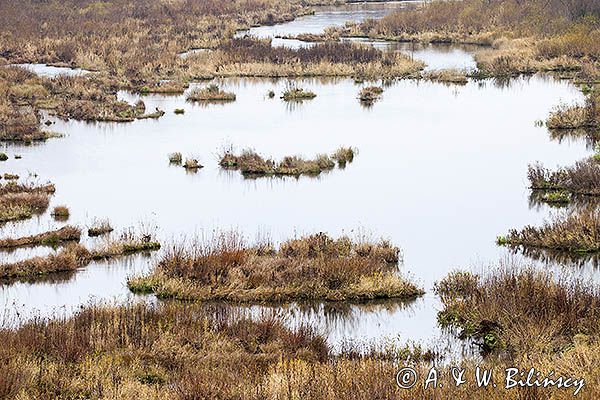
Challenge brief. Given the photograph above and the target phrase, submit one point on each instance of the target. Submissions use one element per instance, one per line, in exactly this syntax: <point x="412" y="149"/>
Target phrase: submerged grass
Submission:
<point x="311" y="267"/>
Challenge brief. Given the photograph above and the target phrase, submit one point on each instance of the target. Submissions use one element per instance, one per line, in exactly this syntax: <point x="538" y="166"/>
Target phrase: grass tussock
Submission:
<point x="22" y="201"/>
<point x="192" y="164"/>
<point x="99" y="228"/>
<point x="295" y="94"/>
<point x="175" y="158"/>
<point x="128" y="242"/>
<point x="575" y="232"/>
<point x="50" y="238"/>
<point x="520" y="312"/>
<point x="370" y="94"/>
<point x="311" y="267"/>
<point x="210" y="93"/>
<point x="251" y="163"/>
<point x="68" y="259"/>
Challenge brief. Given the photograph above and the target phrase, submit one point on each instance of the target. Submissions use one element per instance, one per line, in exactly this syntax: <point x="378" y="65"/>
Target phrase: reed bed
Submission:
<point x="311" y="267"/>
<point x="51" y="238"/>
<point x="190" y="351"/>
<point x="577" y="116"/>
<point x="519" y="311"/>
<point x="582" y="179"/>
<point x="575" y="232"/>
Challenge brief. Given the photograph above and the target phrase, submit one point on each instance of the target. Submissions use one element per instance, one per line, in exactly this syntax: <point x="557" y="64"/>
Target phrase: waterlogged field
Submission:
<point x="440" y="171"/>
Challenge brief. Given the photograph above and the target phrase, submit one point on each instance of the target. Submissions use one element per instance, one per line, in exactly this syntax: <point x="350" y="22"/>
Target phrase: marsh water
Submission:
<point x="441" y="171"/>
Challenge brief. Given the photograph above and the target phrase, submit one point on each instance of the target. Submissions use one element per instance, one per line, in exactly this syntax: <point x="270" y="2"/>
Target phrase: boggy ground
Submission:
<point x="311" y="267"/>
<point x="188" y="351"/>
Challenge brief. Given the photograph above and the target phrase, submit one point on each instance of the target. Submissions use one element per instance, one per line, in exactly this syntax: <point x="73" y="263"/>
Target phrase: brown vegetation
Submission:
<point x="99" y="228"/>
<point x="370" y="94"/>
<point x="312" y="267"/>
<point x="575" y="117"/>
<point x="68" y="259"/>
<point x="128" y="242"/>
<point x="50" y="238"/>
<point x="191" y="351"/>
<point x="210" y="93"/>
<point x="22" y="201"/>
<point x="251" y="163"/>
<point x="520" y="312"/>
<point x="583" y="178"/>
<point x="525" y="37"/>
<point x="577" y="232"/>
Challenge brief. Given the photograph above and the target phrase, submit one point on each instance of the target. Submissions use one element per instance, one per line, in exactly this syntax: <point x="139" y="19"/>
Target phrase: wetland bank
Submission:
<point x="437" y="173"/>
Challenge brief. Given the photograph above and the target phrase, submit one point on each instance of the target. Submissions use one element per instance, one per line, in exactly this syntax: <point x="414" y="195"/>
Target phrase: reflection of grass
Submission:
<point x="312" y="267"/>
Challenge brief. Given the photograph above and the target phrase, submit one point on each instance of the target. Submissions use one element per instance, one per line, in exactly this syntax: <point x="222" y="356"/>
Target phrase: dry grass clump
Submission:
<point x="61" y="213"/>
<point x="370" y="94"/>
<point x="297" y="94"/>
<point x="583" y="178"/>
<point x="520" y="312"/>
<point x="128" y="242"/>
<point x="3" y="157"/>
<point x="101" y="227"/>
<point x="175" y="158"/>
<point x="22" y="201"/>
<point x="51" y="238"/>
<point x="311" y="267"/>
<point x="574" y="117"/>
<point x="251" y="163"/>
<point x="210" y="93"/>
<point x="68" y="259"/>
<point x="344" y="155"/>
<point x="10" y="177"/>
<point x="577" y="232"/>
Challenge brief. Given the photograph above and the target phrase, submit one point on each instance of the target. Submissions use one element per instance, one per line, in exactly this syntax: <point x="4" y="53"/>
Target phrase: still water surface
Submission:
<point x="441" y="171"/>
